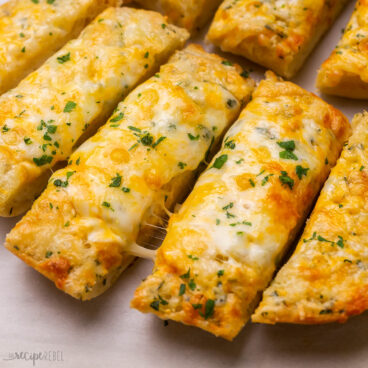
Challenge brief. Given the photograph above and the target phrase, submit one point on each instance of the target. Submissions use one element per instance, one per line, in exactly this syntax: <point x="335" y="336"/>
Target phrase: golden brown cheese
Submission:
<point x="31" y="31"/>
<point x="82" y="232"/>
<point x="326" y="279"/>
<point x="76" y="90"/>
<point x="222" y="247"/>
<point x="345" y="72"/>
<point x="190" y="14"/>
<point x="278" y="34"/>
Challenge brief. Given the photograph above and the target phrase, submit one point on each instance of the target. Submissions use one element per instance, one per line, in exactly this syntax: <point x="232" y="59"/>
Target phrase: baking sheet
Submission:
<point x="37" y="318"/>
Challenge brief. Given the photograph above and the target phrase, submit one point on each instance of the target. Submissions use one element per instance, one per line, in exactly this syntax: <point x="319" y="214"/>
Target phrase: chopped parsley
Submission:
<point x="230" y="144"/>
<point x="107" y="205"/>
<point x="220" y="161"/>
<point x="186" y="275"/>
<point x="286" y="180"/>
<point x="43" y="160"/>
<point x="70" y="106"/>
<point x="300" y="171"/>
<point x="265" y="179"/>
<point x="192" y="285"/>
<point x="194" y="258"/>
<point x="147" y="139"/>
<point x="288" y="153"/>
<point x="182" y="289"/>
<point x="209" y="309"/>
<point x="117" y="118"/>
<point x="63" y="59"/>
<point x="182" y="165"/>
<point x="158" y="141"/>
<point x="192" y="137"/>
<point x="155" y="305"/>
<point x="116" y="181"/>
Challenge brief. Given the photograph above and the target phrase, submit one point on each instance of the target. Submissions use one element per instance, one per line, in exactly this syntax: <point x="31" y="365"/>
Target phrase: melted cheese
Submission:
<point x="32" y="31"/>
<point x="326" y="279"/>
<point x="191" y="14"/>
<point x="345" y="72"/>
<point x="224" y="244"/>
<point x="64" y="101"/>
<point x="278" y="34"/>
<point x="122" y="178"/>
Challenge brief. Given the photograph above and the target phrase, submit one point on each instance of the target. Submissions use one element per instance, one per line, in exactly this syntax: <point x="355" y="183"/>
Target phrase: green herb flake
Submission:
<point x="63" y="59"/>
<point x="117" y="118"/>
<point x="192" y="285"/>
<point x="107" y="205"/>
<point x="220" y="161"/>
<point x="155" y="305"/>
<point x="116" y="181"/>
<point x="154" y="145"/>
<point x="70" y="106"/>
<point x="182" y="289"/>
<point x="287" y="155"/>
<point x="197" y="306"/>
<point x="230" y="144"/>
<point x="192" y="137"/>
<point x="287" y="145"/>
<point x="209" y="308"/>
<point x="194" y="258"/>
<point x="286" y="180"/>
<point x="43" y="160"/>
<point x="340" y="242"/>
<point x="186" y="275"/>
<point x="300" y="171"/>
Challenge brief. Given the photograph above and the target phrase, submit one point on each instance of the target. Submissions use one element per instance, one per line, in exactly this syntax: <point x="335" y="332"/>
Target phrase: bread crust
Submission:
<point x="274" y="35"/>
<point x="325" y="280"/>
<point x="223" y="246"/>
<point x="51" y="111"/>
<point x="82" y="231"/>
<point x="345" y="72"/>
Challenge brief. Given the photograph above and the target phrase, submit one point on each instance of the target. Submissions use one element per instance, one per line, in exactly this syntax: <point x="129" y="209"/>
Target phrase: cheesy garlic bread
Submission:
<point x="278" y="34"/>
<point x="190" y="14"/>
<point x="223" y="246"/>
<point x="326" y="279"/>
<point x="31" y="31"/>
<point x="345" y="72"/>
<point x="64" y="101"/>
<point x="119" y="182"/>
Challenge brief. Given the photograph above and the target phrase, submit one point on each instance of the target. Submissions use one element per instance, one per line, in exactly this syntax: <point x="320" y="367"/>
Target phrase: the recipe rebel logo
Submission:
<point x="47" y="356"/>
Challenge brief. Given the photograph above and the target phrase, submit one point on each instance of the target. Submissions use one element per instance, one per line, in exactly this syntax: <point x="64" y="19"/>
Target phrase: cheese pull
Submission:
<point x="31" y="31"/>
<point x="325" y="279"/>
<point x="85" y="228"/>
<point x="72" y="94"/>
<point x="345" y="72"/>
<point x="224" y="244"/>
<point x="277" y="34"/>
<point x="190" y="14"/>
